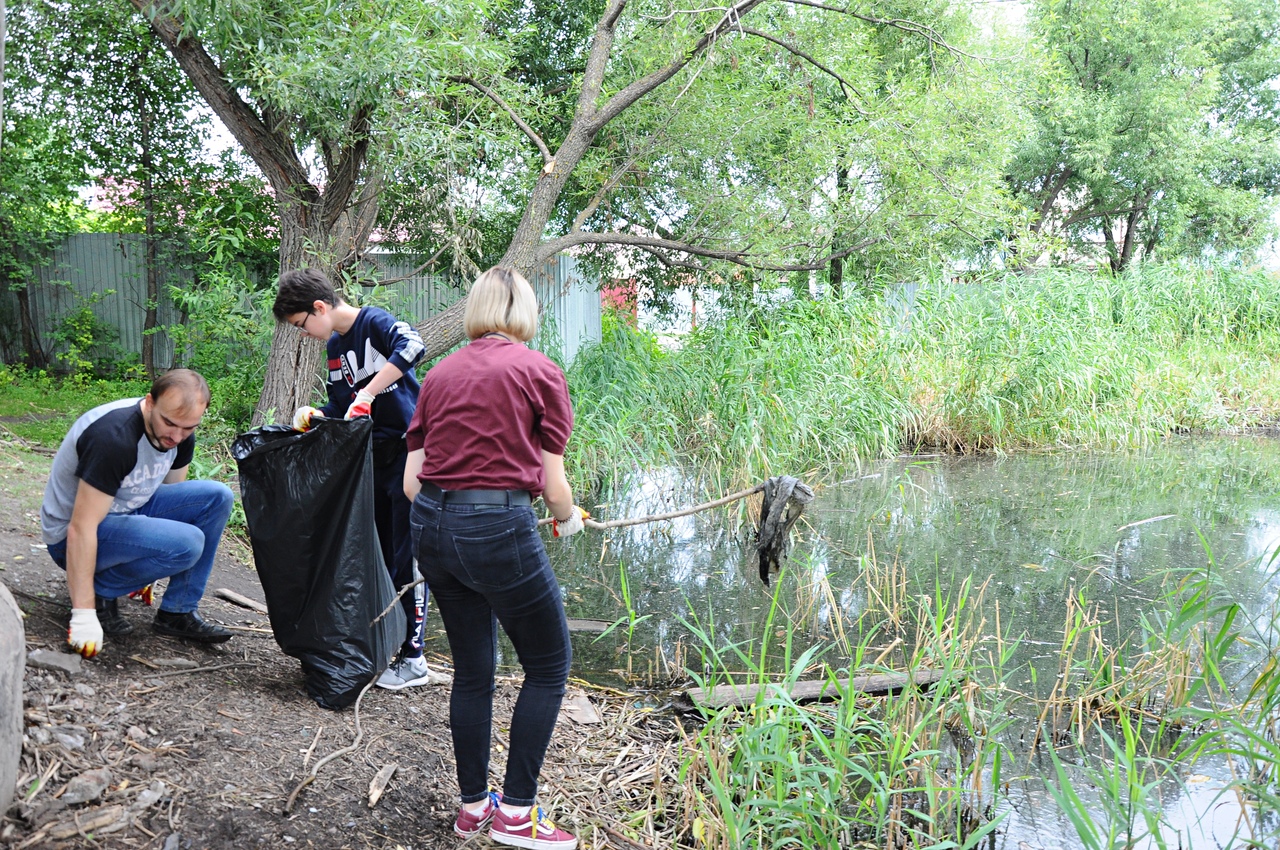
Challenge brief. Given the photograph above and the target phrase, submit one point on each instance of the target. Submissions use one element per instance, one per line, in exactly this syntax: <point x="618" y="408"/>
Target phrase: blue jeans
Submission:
<point x="487" y="565"/>
<point x="174" y="535"/>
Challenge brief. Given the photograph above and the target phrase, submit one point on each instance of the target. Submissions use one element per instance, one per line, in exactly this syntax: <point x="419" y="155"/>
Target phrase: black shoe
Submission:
<point x="189" y="626"/>
<point x="109" y="617"/>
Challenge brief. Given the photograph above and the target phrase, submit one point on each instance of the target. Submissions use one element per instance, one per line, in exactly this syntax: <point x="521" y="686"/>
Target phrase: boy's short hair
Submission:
<point x="501" y="301"/>
<point x="299" y="290"/>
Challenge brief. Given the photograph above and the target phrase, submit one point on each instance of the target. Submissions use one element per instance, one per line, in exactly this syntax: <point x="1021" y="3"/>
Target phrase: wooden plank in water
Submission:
<point x="723" y="696"/>
<point x="596" y="626"/>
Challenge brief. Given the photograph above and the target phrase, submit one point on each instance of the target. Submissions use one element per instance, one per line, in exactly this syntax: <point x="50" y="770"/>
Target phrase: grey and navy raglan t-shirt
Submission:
<point x="108" y="449"/>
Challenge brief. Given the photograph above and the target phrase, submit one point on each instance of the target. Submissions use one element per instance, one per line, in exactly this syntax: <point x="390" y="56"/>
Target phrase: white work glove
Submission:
<point x="362" y="406"/>
<point x="572" y="525"/>
<point x="85" y="633"/>
<point x="302" y="417"/>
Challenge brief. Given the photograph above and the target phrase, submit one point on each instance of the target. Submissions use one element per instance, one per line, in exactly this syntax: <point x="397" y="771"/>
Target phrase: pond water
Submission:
<point x="1117" y="527"/>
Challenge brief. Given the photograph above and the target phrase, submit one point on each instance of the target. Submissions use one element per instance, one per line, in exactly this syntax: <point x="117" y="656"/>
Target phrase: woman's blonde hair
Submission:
<point x="501" y="301"/>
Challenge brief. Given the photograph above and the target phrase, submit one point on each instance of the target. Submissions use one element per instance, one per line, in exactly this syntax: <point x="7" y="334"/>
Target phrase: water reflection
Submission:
<point x="1117" y="529"/>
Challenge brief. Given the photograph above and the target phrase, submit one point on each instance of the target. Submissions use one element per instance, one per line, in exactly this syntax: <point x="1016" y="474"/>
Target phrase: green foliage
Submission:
<point x="122" y="102"/>
<point x="90" y="348"/>
<point x="39" y="408"/>
<point x="38" y="171"/>
<point x="227" y="327"/>
<point x="851" y="771"/>
<point x="1154" y="131"/>
<point x="1046" y="360"/>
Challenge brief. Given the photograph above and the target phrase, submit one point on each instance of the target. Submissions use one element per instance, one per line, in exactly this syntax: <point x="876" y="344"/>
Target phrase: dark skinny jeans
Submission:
<point x="486" y="565"/>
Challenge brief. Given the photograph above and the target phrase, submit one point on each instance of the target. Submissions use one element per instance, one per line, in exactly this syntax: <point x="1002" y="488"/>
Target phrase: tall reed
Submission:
<point x="815" y="387"/>
<point x="921" y="767"/>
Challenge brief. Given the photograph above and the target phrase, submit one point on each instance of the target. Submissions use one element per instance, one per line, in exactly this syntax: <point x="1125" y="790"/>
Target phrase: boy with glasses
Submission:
<point x="371" y="358"/>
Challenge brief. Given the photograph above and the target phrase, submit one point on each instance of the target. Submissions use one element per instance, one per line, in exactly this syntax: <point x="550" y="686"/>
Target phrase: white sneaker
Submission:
<point x="410" y="672"/>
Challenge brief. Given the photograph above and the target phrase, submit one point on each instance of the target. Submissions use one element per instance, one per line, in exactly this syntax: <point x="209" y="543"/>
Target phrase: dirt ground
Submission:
<point x="157" y="743"/>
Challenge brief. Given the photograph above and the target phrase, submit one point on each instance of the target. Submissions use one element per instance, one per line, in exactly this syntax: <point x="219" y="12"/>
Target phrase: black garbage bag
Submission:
<point x="308" y="502"/>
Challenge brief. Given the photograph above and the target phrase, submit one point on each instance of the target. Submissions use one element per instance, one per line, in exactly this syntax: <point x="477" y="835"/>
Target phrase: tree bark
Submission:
<point x="149" y="321"/>
<point x="35" y="355"/>
<point x="837" y="263"/>
<point x="317" y="229"/>
<point x="1054" y="189"/>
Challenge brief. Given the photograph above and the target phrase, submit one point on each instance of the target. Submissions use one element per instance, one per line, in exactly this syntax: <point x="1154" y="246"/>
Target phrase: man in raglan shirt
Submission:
<point x="119" y="514"/>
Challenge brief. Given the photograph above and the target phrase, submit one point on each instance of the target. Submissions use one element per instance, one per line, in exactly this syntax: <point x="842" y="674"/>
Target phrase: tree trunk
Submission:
<point x="35" y="355"/>
<point x="3" y="34"/>
<point x="837" y="263"/>
<point x="150" y="321"/>
<point x="295" y="364"/>
<point x="1109" y="236"/>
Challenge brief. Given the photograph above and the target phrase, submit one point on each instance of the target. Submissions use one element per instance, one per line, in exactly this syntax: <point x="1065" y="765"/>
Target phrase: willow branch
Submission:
<point x="845" y="85"/>
<point x="591" y="523"/>
<point x="735" y="256"/>
<point x="903" y="24"/>
<point x="547" y="158"/>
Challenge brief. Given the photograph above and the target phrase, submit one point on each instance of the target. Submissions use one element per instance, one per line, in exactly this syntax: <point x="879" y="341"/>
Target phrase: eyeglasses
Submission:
<point x="302" y="326"/>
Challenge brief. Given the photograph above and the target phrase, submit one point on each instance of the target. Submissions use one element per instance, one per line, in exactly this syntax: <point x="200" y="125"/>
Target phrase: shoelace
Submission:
<point x="543" y="822"/>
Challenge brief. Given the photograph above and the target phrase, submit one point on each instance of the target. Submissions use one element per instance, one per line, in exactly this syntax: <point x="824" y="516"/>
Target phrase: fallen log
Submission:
<point x="737" y="695"/>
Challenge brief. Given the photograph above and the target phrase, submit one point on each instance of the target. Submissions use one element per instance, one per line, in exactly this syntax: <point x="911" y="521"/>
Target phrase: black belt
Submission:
<point x="510" y="498"/>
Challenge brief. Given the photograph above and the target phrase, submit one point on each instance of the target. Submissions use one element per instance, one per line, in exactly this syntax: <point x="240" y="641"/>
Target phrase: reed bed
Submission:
<point x="815" y="387"/>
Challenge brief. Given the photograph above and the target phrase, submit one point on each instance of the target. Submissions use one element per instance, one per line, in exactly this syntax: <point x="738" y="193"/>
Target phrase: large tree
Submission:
<point x="697" y="137"/>
<point x="1155" y="127"/>
<point x="126" y="113"/>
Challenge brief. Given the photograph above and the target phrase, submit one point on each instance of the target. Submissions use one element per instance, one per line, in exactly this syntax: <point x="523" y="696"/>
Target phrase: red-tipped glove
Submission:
<point x="362" y="406"/>
<point x="144" y="594"/>
<point x="303" y="416"/>
<point x="572" y="525"/>
<point x="85" y="632"/>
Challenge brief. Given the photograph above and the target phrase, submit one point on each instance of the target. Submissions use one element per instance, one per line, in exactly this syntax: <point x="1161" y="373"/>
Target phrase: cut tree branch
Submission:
<point x="547" y="158"/>
<point x="850" y="91"/>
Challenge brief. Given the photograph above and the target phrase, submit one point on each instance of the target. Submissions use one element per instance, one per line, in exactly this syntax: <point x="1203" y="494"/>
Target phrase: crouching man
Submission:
<point x="118" y="513"/>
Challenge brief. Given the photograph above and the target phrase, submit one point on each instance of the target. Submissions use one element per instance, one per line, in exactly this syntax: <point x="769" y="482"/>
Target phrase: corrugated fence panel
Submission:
<point x="418" y="296"/>
<point x="570" y="307"/>
<point x="570" y="303"/>
<point x="106" y="271"/>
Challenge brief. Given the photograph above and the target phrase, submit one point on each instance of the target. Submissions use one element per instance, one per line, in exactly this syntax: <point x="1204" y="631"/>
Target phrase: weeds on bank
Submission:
<point x="911" y="769"/>
<point x="928" y="767"/>
<point x="38" y="408"/>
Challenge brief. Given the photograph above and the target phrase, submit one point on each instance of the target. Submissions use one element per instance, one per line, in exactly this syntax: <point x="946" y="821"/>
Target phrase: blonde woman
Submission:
<point x="487" y="438"/>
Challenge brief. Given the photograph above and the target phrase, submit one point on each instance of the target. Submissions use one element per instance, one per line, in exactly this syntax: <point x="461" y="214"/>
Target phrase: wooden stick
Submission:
<point x="242" y="601"/>
<point x="613" y="523"/>
<point x="619" y="523"/>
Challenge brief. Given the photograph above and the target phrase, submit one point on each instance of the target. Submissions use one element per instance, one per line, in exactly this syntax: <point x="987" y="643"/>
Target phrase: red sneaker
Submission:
<point x="470" y="823"/>
<point x="533" y="830"/>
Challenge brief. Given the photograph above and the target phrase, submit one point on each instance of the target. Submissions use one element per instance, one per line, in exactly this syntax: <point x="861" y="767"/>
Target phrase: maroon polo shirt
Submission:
<point x="486" y="413"/>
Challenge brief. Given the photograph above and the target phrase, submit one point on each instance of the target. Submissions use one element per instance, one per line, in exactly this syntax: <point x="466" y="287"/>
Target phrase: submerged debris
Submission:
<point x="784" y="501"/>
